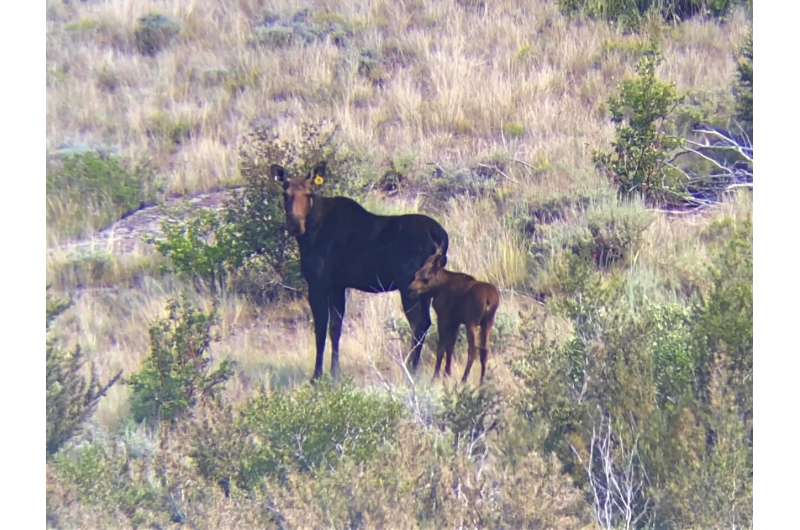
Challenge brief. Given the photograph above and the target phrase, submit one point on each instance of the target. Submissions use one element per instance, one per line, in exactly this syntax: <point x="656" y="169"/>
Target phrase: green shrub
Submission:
<point x="744" y="87"/>
<point x="199" y="247"/>
<point x="371" y="67"/>
<point x="273" y="37"/>
<point x="639" y="161"/>
<point x="176" y="373"/>
<point x="514" y="130"/>
<point x="109" y="477"/>
<point x="88" y="190"/>
<point x="308" y="429"/>
<point x="131" y="480"/>
<point x="315" y="427"/>
<point x="153" y="33"/>
<point x="630" y="13"/>
<point x="302" y="27"/>
<point x="725" y="313"/>
<point x="71" y="399"/>
<point x="219" y="439"/>
<point x="421" y="482"/>
<point x="168" y="130"/>
<point x="470" y="414"/>
<point x="654" y="385"/>
<point x="617" y="233"/>
<point x="608" y="236"/>
<point x="247" y="242"/>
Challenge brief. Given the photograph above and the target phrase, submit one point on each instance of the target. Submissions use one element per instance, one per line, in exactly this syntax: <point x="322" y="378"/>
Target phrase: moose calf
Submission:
<point x="458" y="299"/>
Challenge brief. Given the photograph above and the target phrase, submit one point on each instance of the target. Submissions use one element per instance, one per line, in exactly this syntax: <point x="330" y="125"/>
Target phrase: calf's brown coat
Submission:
<point x="458" y="298"/>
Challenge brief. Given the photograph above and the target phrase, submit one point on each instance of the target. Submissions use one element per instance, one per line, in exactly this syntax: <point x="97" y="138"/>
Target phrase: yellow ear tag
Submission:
<point x="319" y="180"/>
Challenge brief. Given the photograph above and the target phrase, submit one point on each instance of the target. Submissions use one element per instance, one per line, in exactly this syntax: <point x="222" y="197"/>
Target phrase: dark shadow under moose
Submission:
<point x="343" y="246"/>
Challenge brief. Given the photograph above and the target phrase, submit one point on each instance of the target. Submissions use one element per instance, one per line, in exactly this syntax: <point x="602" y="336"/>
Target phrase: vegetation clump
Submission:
<point x="628" y="397"/>
<point x="154" y="32"/>
<point x="744" y="87"/>
<point x="631" y="13"/>
<point x="90" y="189"/>
<point x="177" y="373"/>
<point x="310" y="430"/>
<point x="245" y="245"/>
<point x="639" y="162"/>
<point x="71" y="399"/>
<point x="303" y="27"/>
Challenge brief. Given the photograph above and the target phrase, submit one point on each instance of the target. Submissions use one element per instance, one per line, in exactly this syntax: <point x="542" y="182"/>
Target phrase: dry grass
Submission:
<point x="454" y="82"/>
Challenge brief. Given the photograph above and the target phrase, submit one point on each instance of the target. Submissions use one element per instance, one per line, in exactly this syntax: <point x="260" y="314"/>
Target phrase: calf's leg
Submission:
<point x="483" y="345"/>
<point x="473" y="349"/>
<point x="447" y="339"/>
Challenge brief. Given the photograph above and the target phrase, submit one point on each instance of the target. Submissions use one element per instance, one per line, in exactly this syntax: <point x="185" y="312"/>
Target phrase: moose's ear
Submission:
<point x="278" y="172"/>
<point x="318" y="171"/>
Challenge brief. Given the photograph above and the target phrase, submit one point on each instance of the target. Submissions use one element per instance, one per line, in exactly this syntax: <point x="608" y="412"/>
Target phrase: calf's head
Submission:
<point x="298" y="195"/>
<point x="429" y="276"/>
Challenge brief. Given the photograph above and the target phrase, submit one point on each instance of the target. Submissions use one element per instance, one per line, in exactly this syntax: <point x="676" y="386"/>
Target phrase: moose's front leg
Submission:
<point x="318" y="300"/>
<point x="418" y="313"/>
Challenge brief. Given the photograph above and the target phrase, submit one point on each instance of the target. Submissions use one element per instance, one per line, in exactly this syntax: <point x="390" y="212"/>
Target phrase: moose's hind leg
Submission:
<point x="336" y="307"/>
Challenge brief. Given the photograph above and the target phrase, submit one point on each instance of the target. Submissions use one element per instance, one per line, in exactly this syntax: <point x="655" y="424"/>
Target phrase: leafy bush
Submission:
<point x="110" y="477"/>
<point x="308" y="429"/>
<point x="631" y="13"/>
<point x="421" y="482"/>
<point x="639" y="161"/>
<point x="725" y="314"/>
<point x="88" y="190"/>
<point x="246" y="241"/>
<point x="200" y="246"/>
<point x="744" y="87"/>
<point x="617" y="233"/>
<point x="71" y="399"/>
<point x="176" y="374"/>
<point x="470" y="414"/>
<point x="371" y="66"/>
<point x="640" y="391"/>
<point x="314" y="427"/>
<point x="138" y="478"/>
<point x="153" y="33"/>
<point x="302" y="28"/>
<point x="608" y="236"/>
<point x="169" y="130"/>
<point x="514" y="130"/>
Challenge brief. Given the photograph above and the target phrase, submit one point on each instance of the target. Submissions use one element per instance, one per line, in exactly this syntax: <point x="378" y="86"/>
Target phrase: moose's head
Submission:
<point x="298" y="195"/>
<point x="429" y="276"/>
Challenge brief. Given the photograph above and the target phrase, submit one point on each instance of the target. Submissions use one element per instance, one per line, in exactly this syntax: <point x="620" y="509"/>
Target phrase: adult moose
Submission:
<point x="343" y="246"/>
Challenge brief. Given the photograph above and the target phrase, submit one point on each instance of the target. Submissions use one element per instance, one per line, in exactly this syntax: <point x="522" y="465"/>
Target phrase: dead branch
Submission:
<point x="617" y="488"/>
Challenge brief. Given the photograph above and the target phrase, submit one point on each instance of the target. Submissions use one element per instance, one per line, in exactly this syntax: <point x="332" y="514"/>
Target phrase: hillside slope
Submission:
<point x="620" y="327"/>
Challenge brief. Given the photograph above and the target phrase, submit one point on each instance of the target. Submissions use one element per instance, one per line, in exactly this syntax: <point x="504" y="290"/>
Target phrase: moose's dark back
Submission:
<point x="343" y="246"/>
